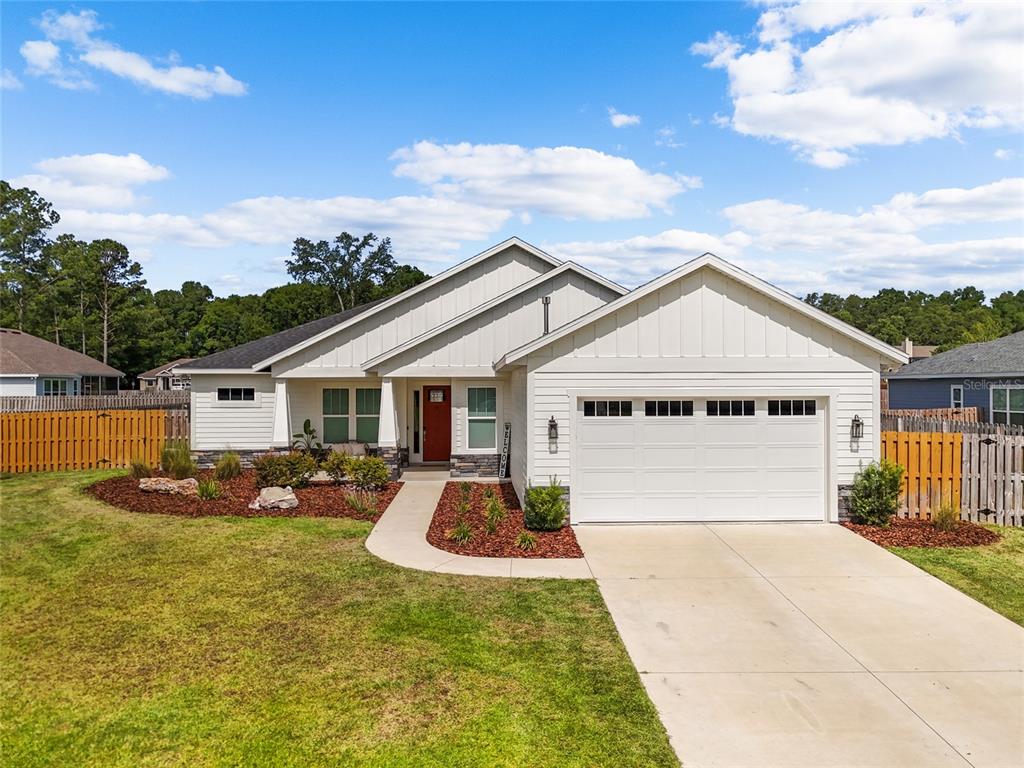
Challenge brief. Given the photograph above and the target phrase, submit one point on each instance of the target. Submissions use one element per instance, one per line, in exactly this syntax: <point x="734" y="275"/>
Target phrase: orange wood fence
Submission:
<point x="42" y="441"/>
<point x="932" y="464"/>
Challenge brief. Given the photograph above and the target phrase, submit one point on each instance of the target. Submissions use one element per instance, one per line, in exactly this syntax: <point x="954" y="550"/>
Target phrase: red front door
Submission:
<point x="437" y="423"/>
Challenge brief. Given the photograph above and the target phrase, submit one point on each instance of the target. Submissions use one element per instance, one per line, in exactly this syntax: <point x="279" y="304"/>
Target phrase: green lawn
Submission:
<point x="135" y="640"/>
<point x="993" y="575"/>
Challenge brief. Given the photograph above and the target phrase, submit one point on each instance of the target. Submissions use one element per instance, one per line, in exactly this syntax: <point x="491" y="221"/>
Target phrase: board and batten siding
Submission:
<point x="344" y="352"/>
<point x="704" y="332"/>
<point x="219" y="426"/>
<point x="480" y="341"/>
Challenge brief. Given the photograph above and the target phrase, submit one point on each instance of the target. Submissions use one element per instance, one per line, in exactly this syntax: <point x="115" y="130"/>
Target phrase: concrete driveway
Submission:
<point x="805" y="645"/>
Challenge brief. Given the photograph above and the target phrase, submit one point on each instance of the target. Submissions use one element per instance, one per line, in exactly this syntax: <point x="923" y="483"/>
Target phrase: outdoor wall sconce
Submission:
<point x="857" y="428"/>
<point x="552" y="430"/>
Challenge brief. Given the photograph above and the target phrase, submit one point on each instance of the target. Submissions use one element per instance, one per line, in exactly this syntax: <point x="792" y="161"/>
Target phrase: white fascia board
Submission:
<point x="223" y="371"/>
<point x="730" y="270"/>
<point x="438" y="278"/>
<point x="917" y="376"/>
<point x="496" y="301"/>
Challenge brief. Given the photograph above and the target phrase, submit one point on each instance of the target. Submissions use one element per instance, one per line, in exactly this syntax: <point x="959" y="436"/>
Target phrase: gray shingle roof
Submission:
<point x="985" y="358"/>
<point x="245" y="356"/>
<point x="24" y="353"/>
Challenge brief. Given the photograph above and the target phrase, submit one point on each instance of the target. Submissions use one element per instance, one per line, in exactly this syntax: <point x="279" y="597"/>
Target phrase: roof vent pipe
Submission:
<point x="546" y="301"/>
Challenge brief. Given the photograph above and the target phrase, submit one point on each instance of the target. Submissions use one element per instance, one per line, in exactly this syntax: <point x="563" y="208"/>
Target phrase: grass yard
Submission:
<point x="993" y="574"/>
<point x="137" y="640"/>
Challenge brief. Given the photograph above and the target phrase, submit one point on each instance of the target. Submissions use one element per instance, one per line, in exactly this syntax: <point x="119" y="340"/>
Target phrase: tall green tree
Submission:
<point x="352" y="267"/>
<point x="119" y="284"/>
<point x="25" y="222"/>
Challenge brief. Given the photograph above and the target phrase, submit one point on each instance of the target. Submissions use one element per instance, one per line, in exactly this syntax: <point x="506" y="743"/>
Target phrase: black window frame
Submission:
<point x="673" y="409"/>
<point x="780" y="407"/>
<point x="730" y="407"/>
<point x="602" y="409"/>
<point x="245" y="394"/>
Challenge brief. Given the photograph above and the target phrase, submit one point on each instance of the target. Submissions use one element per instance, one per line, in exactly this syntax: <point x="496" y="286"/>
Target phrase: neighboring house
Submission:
<point x="33" y="366"/>
<point x="165" y="378"/>
<point x="706" y="394"/>
<point x="918" y="351"/>
<point x="988" y="375"/>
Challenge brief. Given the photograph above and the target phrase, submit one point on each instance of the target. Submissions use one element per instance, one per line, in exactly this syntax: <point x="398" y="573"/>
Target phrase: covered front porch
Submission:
<point x="445" y="422"/>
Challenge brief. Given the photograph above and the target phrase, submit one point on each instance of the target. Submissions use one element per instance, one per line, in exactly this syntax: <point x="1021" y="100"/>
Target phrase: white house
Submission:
<point x="706" y="394"/>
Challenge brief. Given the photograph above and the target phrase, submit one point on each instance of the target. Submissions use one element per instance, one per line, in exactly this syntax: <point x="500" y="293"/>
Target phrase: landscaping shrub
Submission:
<point x="362" y="502"/>
<point x="876" y="493"/>
<point x="461" y="533"/>
<point x="526" y="541"/>
<point x="176" y="460"/>
<point x="946" y="517"/>
<point x="368" y="472"/>
<point x="208" y="489"/>
<point x="489" y="493"/>
<point x="294" y="469"/>
<point x="306" y="440"/>
<point x="545" y="508"/>
<point x="228" y="466"/>
<point x="336" y="465"/>
<point x="495" y="512"/>
<point x="140" y="468"/>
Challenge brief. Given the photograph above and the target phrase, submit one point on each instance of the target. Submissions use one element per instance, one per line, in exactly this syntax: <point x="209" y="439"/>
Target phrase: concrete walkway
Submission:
<point x="805" y="645"/>
<point x="400" y="537"/>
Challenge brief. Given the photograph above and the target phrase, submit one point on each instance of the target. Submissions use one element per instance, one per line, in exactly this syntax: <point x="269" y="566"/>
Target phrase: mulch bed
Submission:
<point x="501" y="543"/>
<point x="318" y="500"/>
<point x="903" y="532"/>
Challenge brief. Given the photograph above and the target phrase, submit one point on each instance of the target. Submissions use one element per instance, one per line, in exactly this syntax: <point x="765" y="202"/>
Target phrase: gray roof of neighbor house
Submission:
<point x="985" y="358"/>
<point x="24" y="354"/>
<point x="245" y="356"/>
<point x="165" y="368"/>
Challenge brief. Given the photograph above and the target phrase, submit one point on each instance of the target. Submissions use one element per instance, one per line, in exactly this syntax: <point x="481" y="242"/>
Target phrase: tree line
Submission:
<point x="92" y="296"/>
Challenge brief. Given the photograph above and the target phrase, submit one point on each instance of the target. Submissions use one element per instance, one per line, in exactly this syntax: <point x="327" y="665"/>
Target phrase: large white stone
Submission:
<point x="187" y="487"/>
<point x="275" y="497"/>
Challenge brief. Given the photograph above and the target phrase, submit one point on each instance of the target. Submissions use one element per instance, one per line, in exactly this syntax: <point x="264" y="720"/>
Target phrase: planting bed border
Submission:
<point x="315" y="500"/>
<point x="903" y="532"/>
<point x="550" y="544"/>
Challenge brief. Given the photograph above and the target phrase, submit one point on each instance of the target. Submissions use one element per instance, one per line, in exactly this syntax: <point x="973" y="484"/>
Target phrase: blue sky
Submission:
<point x="823" y="147"/>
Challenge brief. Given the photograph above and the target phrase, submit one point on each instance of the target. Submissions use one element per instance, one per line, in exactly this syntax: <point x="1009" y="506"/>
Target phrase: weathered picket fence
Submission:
<point x="42" y="441"/>
<point x="128" y="400"/>
<point x="982" y="474"/>
<point x="949" y="414"/>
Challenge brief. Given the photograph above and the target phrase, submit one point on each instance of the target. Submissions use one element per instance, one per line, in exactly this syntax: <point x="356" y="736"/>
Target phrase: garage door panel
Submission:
<point x="699" y="467"/>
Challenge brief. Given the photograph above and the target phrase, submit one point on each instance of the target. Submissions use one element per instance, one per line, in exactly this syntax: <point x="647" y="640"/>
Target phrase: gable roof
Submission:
<point x="249" y="356"/>
<point x="730" y="270"/>
<point x="166" y="368"/>
<point x="1001" y="357"/>
<point x="425" y="285"/>
<point x="28" y="355"/>
<point x="567" y="266"/>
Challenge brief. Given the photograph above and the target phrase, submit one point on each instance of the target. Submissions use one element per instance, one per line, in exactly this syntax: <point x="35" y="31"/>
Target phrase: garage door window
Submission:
<point x="668" y="408"/>
<point x="730" y="408"/>
<point x="607" y="407"/>
<point x="792" y="408"/>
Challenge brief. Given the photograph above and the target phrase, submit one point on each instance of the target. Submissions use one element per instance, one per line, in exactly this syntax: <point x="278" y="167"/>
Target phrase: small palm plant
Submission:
<point x="306" y="440"/>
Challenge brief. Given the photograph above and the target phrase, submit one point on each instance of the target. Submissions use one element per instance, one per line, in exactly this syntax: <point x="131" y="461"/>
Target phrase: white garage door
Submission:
<point x="699" y="459"/>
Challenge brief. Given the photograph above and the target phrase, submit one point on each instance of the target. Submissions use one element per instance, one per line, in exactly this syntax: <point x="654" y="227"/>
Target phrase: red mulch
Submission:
<point x="318" y="500"/>
<point x="501" y="543"/>
<point x="903" y="532"/>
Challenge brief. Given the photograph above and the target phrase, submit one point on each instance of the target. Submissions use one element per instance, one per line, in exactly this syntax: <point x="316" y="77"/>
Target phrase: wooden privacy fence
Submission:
<point x="949" y="414"/>
<point x="980" y="474"/>
<point x="42" y="441"/>
<point x="891" y="423"/>
<point x="128" y="400"/>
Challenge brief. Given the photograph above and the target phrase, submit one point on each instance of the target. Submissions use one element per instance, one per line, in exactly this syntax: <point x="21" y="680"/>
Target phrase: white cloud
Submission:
<point x="1004" y="154"/>
<point x="825" y="81"/>
<point x="9" y="81"/>
<point x="96" y="181"/>
<point x="44" y="58"/>
<point x="568" y="182"/>
<point x="667" y="138"/>
<point x="620" y="120"/>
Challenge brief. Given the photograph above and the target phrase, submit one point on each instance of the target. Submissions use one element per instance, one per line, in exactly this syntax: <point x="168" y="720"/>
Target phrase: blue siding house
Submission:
<point x="988" y="375"/>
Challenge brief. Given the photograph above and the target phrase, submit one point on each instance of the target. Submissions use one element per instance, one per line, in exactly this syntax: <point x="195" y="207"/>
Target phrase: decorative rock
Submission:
<point x="187" y="487"/>
<point x="275" y="497"/>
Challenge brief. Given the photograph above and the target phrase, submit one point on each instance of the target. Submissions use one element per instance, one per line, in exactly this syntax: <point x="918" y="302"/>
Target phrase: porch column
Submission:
<point x="387" y="435"/>
<point x="282" y="437"/>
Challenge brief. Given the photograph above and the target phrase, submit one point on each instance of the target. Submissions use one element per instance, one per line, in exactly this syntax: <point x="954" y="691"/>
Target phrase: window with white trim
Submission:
<point x="482" y="414"/>
<point x="236" y="394"/>
<point x="792" y="407"/>
<point x="956" y="396"/>
<point x="367" y="415"/>
<point x="730" y="408"/>
<point x="668" y="408"/>
<point x="55" y="386"/>
<point x="607" y="408"/>
<point x="1008" y="405"/>
<point x="335" y="414"/>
